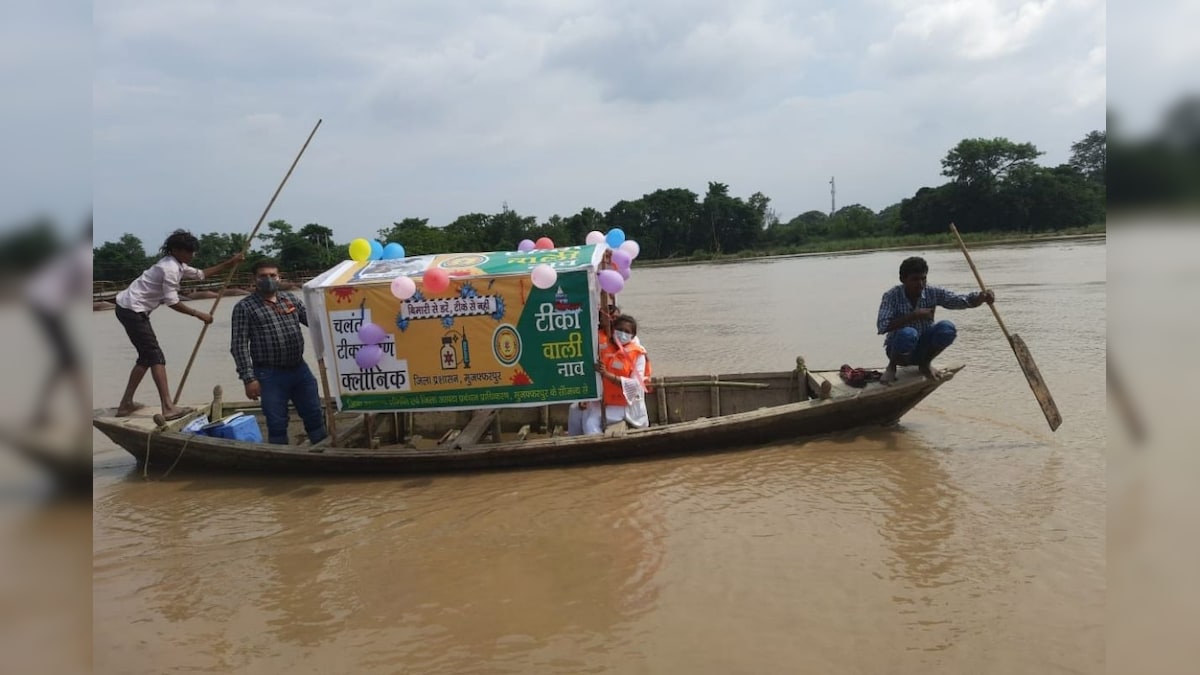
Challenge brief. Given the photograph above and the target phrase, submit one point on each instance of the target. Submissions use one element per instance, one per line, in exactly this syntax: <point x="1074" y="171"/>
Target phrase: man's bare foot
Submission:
<point x="174" y="413"/>
<point x="930" y="372"/>
<point x="889" y="376"/>
<point x="127" y="409"/>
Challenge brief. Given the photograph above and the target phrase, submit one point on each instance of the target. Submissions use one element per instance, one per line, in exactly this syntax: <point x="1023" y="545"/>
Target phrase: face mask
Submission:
<point x="623" y="337"/>
<point x="267" y="285"/>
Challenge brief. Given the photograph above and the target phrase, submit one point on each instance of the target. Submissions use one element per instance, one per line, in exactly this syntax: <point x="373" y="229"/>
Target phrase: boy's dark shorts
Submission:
<point x="141" y="334"/>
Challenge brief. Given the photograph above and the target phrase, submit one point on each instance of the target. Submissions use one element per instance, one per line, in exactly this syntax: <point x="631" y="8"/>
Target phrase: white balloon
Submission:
<point x="543" y="276"/>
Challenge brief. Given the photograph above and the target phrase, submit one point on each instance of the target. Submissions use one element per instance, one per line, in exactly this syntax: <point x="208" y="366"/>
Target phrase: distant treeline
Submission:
<point x="994" y="185"/>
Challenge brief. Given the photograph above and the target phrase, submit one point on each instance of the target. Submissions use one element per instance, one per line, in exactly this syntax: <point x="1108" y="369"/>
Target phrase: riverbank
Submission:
<point x="203" y="290"/>
<point x="892" y="243"/>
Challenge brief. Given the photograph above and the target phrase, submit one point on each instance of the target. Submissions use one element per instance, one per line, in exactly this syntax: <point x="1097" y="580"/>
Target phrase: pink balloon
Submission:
<point x="371" y="334"/>
<point x="594" y="237"/>
<point x="631" y="247"/>
<point x="621" y="258"/>
<point x="525" y="246"/>
<point x="544" y="276"/>
<point x="611" y="281"/>
<point x="403" y="287"/>
<point x="544" y="243"/>
<point x="624" y="272"/>
<point x="368" y="356"/>
<point x="436" y="280"/>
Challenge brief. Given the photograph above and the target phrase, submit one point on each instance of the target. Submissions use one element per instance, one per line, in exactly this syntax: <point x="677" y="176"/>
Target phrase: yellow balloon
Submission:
<point x="360" y="250"/>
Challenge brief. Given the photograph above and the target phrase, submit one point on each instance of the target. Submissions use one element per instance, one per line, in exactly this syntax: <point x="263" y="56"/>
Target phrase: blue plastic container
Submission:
<point x="236" y="428"/>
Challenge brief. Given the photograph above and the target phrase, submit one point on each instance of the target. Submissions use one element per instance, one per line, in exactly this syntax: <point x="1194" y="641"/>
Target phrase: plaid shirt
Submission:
<point x="895" y="303"/>
<point x="267" y="334"/>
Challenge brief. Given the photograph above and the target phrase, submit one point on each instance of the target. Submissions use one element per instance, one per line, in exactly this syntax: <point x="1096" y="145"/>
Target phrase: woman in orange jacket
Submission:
<point x="624" y="369"/>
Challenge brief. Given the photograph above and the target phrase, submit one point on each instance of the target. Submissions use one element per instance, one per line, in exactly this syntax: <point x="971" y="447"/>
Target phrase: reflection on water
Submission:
<point x="968" y="539"/>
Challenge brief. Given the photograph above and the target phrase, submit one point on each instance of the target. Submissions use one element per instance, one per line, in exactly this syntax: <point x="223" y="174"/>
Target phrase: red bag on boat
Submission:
<point x="858" y="377"/>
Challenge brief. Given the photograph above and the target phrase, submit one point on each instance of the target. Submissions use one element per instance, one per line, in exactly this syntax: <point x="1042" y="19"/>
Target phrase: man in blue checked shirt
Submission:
<point x="268" y="349"/>
<point x="906" y="316"/>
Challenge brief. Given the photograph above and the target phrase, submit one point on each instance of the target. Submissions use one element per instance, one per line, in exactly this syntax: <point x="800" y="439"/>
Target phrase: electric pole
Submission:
<point x="832" y="197"/>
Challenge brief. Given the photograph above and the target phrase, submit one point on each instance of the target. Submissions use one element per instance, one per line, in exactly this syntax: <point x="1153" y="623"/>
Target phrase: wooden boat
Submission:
<point x="688" y="415"/>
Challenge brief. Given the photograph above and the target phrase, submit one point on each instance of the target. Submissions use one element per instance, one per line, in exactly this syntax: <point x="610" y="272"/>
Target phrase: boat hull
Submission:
<point x="844" y="409"/>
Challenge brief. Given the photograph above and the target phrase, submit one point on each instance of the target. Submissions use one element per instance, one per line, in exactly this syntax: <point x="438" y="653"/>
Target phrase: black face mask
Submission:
<point x="267" y="285"/>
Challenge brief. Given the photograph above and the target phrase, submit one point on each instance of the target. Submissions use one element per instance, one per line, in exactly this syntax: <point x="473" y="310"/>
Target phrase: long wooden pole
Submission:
<point x="1024" y="358"/>
<point x="329" y="405"/>
<point x="245" y="248"/>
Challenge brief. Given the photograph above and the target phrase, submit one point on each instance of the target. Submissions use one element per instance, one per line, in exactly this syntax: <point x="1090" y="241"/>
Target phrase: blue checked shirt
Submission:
<point x="267" y="334"/>
<point x="895" y="304"/>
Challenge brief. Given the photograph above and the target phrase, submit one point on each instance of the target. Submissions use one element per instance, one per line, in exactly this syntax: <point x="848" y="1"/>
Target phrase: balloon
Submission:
<point x="621" y="258"/>
<point x="544" y="243"/>
<point x="624" y="272"/>
<point x="393" y="251"/>
<point x="368" y="356"/>
<point x="544" y="276"/>
<point x="403" y="287"/>
<point x="615" y="237"/>
<point x="631" y="247"/>
<point x="376" y="250"/>
<point x="436" y="280"/>
<point x="525" y="246"/>
<point x="594" y="237"/>
<point x="360" y="250"/>
<point x="371" y="334"/>
<point x="611" y="281"/>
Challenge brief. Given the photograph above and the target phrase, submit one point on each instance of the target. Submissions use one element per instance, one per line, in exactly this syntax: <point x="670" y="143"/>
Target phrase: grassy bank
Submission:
<point x="889" y="243"/>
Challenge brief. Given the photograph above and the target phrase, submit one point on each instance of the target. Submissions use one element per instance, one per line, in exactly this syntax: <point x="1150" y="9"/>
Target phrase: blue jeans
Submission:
<point x="279" y="385"/>
<point x="909" y="347"/>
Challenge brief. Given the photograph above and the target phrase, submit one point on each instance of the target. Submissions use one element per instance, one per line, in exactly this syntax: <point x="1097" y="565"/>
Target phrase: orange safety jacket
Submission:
<point x="621" y="362"/>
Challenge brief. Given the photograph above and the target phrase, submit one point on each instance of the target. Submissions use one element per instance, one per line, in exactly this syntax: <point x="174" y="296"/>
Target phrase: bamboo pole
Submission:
<point x="232" y="271"/>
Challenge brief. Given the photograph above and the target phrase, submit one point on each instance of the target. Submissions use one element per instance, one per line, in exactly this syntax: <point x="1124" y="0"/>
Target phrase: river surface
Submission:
<point x="967" y="539"/>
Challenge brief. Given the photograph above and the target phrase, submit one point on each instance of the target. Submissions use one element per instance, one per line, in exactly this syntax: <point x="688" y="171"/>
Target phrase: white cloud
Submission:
<point x="437" y="109"/>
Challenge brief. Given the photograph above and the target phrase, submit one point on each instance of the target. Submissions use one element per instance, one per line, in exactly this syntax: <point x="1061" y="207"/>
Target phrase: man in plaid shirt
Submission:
<point x="906" y="316"/>
<point x="268" y="349"/>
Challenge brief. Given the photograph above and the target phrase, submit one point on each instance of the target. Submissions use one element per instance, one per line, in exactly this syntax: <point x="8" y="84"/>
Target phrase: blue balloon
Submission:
<point x="615" y="237"/>
<point x="376" y="250"/>
<point x="393" y="251"/>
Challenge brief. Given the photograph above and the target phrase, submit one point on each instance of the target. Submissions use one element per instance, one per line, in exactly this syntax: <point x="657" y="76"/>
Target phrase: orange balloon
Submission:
<point x="544" y="243"/>
<point x="436" y="280"/>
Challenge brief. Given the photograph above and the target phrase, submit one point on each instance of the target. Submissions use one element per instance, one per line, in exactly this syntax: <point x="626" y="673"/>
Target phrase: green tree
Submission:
<point x="504" y="230"/>
<point x="930" y="210"/>
<point x="629" y="217"/>
<point x="122" y="260"/>
<point x="889" y="222"/>
<point x="323" y="252"/>
<point x="665" y="220"/>
<point x="1090" y="155"/>
<point x="1036" y="199"/>
<point x="467" y="233"/>
<point x="851" y="222"/>
<point x="296" y="252"/>
<point x="576" y="227"/>
<point x="417" y="237"/>
<point x="984" y="162"/>
<point x="732" y="224"/>
<point x="276" y="237"/>
<point x="215" y="247"/>
<point x="556" y="228"/>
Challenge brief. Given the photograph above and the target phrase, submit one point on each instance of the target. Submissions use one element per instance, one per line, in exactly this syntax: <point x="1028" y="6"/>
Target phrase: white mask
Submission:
<point x="623" y="337"/>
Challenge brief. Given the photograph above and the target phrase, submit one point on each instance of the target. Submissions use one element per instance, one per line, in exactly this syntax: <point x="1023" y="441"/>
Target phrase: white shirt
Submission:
<point x="158" y="285"/>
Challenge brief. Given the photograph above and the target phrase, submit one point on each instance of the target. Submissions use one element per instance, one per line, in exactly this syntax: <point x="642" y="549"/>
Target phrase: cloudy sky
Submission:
<point x="439" y="108"/>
